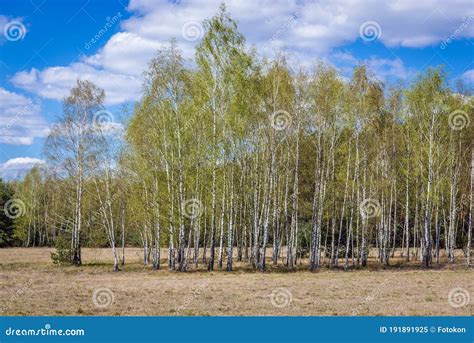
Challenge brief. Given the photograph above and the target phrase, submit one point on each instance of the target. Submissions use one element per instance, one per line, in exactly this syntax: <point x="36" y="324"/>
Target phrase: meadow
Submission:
<point x="30" y="284"/>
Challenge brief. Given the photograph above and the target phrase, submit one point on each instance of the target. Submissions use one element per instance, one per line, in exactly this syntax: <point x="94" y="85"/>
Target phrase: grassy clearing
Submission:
<point x="31" y="285"/>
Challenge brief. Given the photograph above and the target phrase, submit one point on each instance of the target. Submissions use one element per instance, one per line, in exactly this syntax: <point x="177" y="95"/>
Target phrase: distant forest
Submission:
<point x="235" y="157"/>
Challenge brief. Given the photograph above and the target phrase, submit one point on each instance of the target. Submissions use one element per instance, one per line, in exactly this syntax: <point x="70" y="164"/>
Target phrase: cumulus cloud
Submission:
<point x="385" y="69"/>
<point x="20" y="119"/>
<point x="308" y="29"/>
<point x="320" y="25"/>
<point x="468" y="76"/>
<point x="125" y="53"/>
<point x="17" y="167"/>
<point x="388" y="68"/>
<point x="55" y="82"/>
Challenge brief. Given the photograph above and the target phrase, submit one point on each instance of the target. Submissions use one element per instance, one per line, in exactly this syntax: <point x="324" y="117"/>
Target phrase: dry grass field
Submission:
<point x="31" y="285"/>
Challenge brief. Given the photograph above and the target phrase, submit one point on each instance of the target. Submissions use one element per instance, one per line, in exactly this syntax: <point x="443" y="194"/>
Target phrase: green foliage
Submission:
<point x="63" y="253"/>
<point x="6" y="223"/>
<point x="205" y="133"/>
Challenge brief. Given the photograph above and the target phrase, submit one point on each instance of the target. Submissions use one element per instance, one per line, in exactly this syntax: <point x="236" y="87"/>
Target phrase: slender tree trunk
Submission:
<point x="230" y="244"/>
<point x="471" y="209"/>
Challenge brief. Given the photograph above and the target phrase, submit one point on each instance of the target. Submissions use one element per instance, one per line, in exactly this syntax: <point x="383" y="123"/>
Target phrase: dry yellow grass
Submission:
<point x="31" y="285"/>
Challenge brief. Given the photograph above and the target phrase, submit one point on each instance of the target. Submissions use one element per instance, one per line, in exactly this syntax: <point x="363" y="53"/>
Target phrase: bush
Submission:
<point x="63" y="254"/>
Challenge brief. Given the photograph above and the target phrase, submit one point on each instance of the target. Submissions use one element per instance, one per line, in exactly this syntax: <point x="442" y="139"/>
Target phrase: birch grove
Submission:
<point x="234" y="160"/>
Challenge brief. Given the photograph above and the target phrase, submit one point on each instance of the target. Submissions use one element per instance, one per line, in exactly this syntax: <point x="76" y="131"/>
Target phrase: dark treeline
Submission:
<point x="239" y="158"/>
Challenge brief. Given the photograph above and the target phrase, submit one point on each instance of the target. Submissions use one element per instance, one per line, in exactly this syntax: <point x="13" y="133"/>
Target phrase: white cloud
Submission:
<point x="388" y="68"/>
<point x="20" y="119"/>
<point x="125" y="53"/>
<point x="18" y="167"/>
<point x="318" y="28"/>
<point x="384" y="68"/>
<point x="468" y="76"/>
<point x="55" y="82"/>
<point x="320" y="25"/>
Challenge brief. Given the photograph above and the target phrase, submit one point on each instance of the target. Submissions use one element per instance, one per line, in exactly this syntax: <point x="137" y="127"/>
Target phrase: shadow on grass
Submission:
<point x="244" y="267"/>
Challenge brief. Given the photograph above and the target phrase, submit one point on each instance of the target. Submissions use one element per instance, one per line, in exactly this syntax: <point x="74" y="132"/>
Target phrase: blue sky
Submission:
<point x="45" y="45"/>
